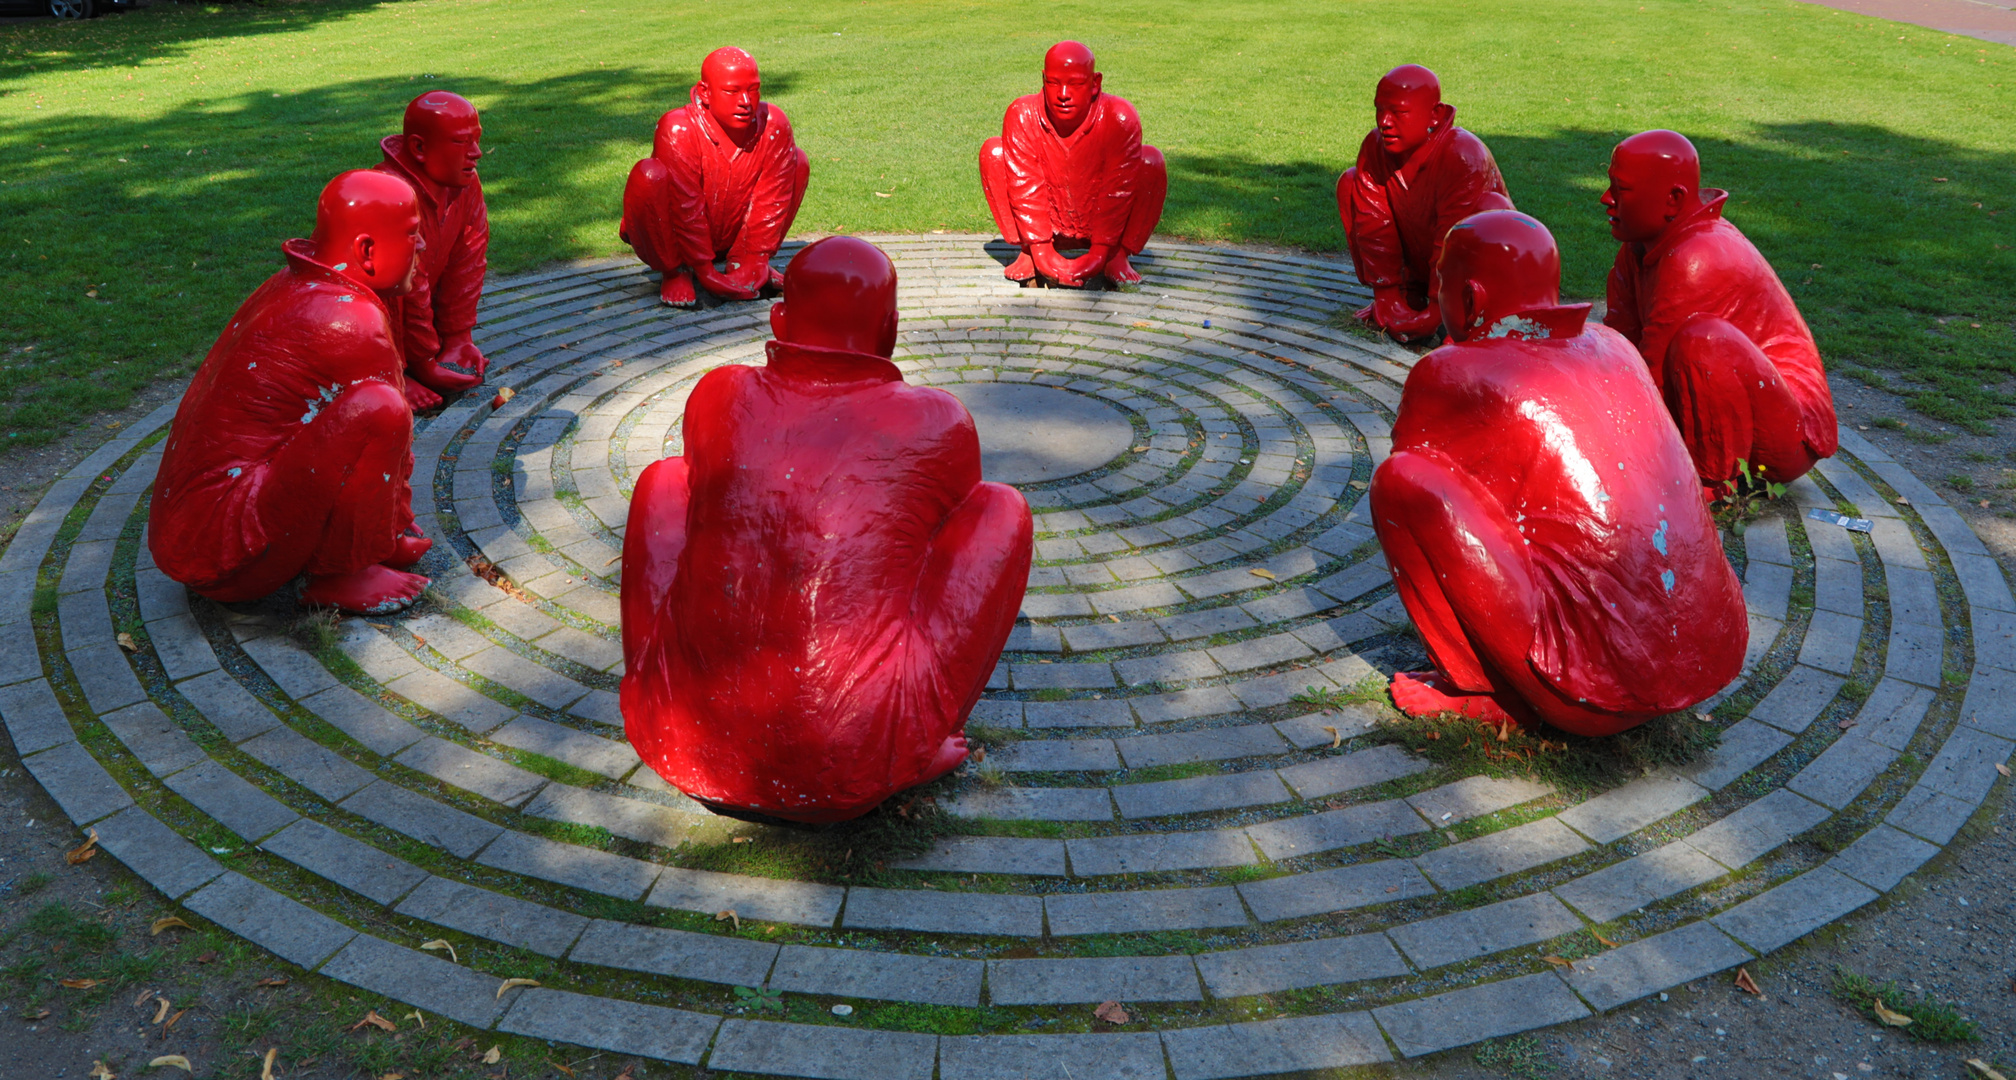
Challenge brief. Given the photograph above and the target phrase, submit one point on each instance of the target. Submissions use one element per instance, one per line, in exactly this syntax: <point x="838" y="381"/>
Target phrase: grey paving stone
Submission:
<point x="1842" y="770"/>
<point x="283" y="927"/>
<point x="614" y="1026"/>
<point x="1965" y="765"/>
<point x="1126" y="1055"/>
<point x="886" y="976"/>
<point x="761" y="899"/>
<point x="345" y="860"/>
<point x="159" y="742"/>
<point x="1790" y="911"/>
<point x="1055" y="755"/>
<point x="1915" y="653"/>
<point x="632" y="819"/>
<point x="233" y="801"/>
<point x="459" y="766"/>
<point x="1473" y="1014"/>
<point x="429" y="984"/>
<point x="435" y="824"/>
<point x="461" y="705"/>
<point x="1830" y="642"/>
<point x="1186" y="704"/>
<point x="1199" y="793"/>
<point x="1086" y="713"/>
<point x="1266" y="969"/>
<point x="1982" y="581"/>
<point x="1745" y="745"/>
<point x="991" y="855"/>
<point x="1092" y="980"/>
<point x="577" y="748"/>
<point x="822" y="1052"/>
<point x="1342" y="889"/>
<point x="156" y="852"/>
<point x="1494" y="855"/>
<point x="1308" y="834"/>
<point x="1137" y="853"/>
<point x="1035" y="804"/>
<point x="944" y="913"/>
<point x="1994" y="638"/>
<point x="1475" y="796"/>
<point x="1210" y="744"/>
<point x="295" y="671"/>
<point x="34" y="717"/>
<point x="1623" y="810"/>
<point x="1300" y="1044"/>
<point x="1882" y="858"/>
<point x="104" y="675"/>
<point x="1985" y="708"/>
<point x="313" y="766"/>
<point x="1640" y="880"/>
<point x="543" y="685"/>
<point x="1324" y="728"/>
<point x="1280" y="688"/>
<point x="1765" y="541"/>
<point x="1737" y="840"/>
<point x="228" y="706"/>
<point x="1837" y="585"/>
<point x="730" y="961"/>
<point x="570" y="864"/>
<point x="493" y="916"/>
<point x="1148" y="909"/>
<point x="1466" y="935"/>
<point x="1929" y="814"/>
<point x="1349" y="772"/>
<point x="363" y="719"/>
<point x="1173" y="667"/>
<point x="1660" y="962"/>
<point x="1260" y="652"/>
<point x="1797" y="700"/>
<point x="1767" y="589"/>
<point x="1062" y="676"/>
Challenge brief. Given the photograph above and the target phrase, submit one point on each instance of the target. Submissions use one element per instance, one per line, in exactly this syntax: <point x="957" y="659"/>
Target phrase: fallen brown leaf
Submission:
<point x="503" y="395"/>
<point x="438" y="944"/>
<point x="169" y="922"/>
<point x="626" y="1073"/>
<point x="100" y="1072"/>
<point x="1257" y="572"/>
<point x="1112" y="1013"/>
<point x="85" y="850"/>
<point x="1984" y="1070"/>
<point x="172" y="1021"/>
<point x="1360" y="484"/>
<point x="393" y="1076"/>
<point x="126" y="642"/>
<point x="79" y="984"/>
<point x="510" y="984"/>
<point x="1336" y="737"/>
<point x="742" y="840"/>
<point x="176" y="1060"/>
<point x="730" y="916"/>
<point x="208" y="957"/>
<point x="272" y="980"/>
<point x="266" y="1070"/>
<point x="562" y="1068"/>
<point x="1888" y="1016"/>
<point x="493" y="1055"/>
<point x="2001" y="768"/>
<point x="417" y="1018"/>
<point x="1747" y="984"/>
<point x="1607" y="943"/>
<point x="161" y="1013"/>
<point x="38" y="1014"/>
<point x="1559" y="962"/>
<point x="372" y="1018"/>
<point x="1845" y="724"/>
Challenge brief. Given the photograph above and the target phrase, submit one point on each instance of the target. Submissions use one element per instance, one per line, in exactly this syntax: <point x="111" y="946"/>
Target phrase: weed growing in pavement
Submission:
<point x="1522" y="1057"/>
<point x="1575" y="763"/>
<point x="315" y="630"/>
<point x="1932" y="1020"/>
<point x="34" y="882"/>
<point x="1371" y="690"/>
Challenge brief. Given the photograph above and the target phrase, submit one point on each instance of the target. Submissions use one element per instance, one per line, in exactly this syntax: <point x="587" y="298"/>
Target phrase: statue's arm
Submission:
<point x="460" y="287"/>
<point x="679" y="148"/>
<point x="1119" y="179"/>
<point x="763" y="226"/>
<point x="1373" y="236"/>
<point x="1028" y="188"/>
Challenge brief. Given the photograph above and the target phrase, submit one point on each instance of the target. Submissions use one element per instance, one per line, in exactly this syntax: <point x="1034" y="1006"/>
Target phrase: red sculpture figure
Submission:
<point x="437" y="155"/>
<point x="1417" y="175"/>
<point x="815" y="595"/>
<point x="1539" y="512"/>
<point x="1069" y="169"/>
<point x="724" y="181"/>
<point x="291" y="450"/>
<point x="1732" y="357"/>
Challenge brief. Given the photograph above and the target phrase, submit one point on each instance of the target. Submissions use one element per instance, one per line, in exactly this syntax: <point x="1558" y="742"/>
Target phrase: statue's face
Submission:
<point x="733" y="97"/>
<point x="448" y="152"/>
<point x="1068" y="92"/>
<point x="1404" y="120"/>
<point x="1637" y="202"/>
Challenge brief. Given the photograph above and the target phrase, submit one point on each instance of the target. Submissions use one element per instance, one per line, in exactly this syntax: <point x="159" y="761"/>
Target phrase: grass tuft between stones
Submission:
<point x="1574" y="763"/>
<point x="1932" y="1020"/>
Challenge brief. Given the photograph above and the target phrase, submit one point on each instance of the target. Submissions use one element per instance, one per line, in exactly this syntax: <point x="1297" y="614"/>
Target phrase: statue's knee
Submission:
<point x="1151" y="159"/>
<point x="373" y="410"/>
<point x="1407" y="484"/>
<point x="1708" y="343"/>
<point x="647" y="178"/>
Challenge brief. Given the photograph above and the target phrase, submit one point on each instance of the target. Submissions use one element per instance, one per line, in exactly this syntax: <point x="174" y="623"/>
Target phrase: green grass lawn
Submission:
<point x="158" y="158"/>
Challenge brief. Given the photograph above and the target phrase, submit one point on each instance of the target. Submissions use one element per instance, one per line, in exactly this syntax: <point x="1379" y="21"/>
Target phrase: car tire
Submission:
<point x="72" y="9"/>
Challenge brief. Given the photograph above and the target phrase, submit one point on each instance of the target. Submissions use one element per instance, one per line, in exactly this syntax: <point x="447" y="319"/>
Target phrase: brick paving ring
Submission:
<point x="1161" y="823"/>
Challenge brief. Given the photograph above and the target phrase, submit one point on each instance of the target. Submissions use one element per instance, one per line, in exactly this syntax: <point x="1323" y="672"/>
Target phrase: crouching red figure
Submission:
<point x="292" y="448"/>
<point x="1540" y="514"/>
<point x="815" y="594"/>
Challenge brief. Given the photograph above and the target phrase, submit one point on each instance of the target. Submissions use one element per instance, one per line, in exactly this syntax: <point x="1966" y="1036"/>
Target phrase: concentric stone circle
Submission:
<point x="1160" y="822"/>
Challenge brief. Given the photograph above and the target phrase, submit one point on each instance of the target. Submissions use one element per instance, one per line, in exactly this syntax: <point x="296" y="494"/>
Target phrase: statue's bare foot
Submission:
<point x="375" y="590"/>
<point x="411" y="550"/>
<point x="950" y="755"/>
<point x="677" y="290"/>
<point x="1022" y="269"/>
<point x="421" y="398"/>
<point x="1425" y="693"/>
<point x="776" y="279"/>
<point x="1364" y="315"/>
<point x="440" y="379"/>
<point x="1121" y="272"/>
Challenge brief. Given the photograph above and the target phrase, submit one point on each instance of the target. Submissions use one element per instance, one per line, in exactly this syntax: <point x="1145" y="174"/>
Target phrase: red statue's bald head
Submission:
<point x="1070" y="85"/>
<point x="731" y="89"/>
<point x="1406" y="109"/>
<point x="367" y="226"/>
<point x="1495" y="264"/>
<point x="445" y="137"/>
<point x="839" y="293"/>
<point x="1655" y="177"/>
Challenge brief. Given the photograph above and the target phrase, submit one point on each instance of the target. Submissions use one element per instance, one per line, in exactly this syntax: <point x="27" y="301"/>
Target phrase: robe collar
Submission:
<point x="1445" y="130"/>
<point x="414" y="173"/>
<point x="301" y="261"/>
<point x="1093" y="114"/>
<point x="1705" y="216"/>
<point x="1537" y="324"/>
<point x="832" y="367"/>
<point x="716" y="134"/>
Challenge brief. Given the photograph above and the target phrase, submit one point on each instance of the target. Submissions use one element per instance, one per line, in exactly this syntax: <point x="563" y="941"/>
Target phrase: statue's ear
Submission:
<point x="1474" y="298"/>
<point x="1098" y="83"/>
<point x="777" y="320"/>
<point x="416" y="145"/>
<point x="366" y="254"/>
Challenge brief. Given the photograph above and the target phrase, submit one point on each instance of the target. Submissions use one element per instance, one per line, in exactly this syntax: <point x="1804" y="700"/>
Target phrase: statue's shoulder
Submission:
<point x="1470" y="150"/>
<point x="1028" y="107"/>
<point x="1120" y="110"/>
<point x="777" y="121"/>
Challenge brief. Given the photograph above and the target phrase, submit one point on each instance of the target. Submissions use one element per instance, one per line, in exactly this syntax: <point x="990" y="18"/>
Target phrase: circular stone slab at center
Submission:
<point x="1029" y="434"/>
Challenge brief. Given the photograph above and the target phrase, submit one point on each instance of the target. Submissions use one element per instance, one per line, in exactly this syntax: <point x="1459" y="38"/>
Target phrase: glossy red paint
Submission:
<point x="291" y="451"/>
<point x="1417" y="175"/>
<point x="1539" y="512"/>
<point x="815" y="594"/>
<point x="1735" y="363"/>
<point x="437" y="154"/>
<point x="1069" y="170"/>
<point x="724" y="181"/>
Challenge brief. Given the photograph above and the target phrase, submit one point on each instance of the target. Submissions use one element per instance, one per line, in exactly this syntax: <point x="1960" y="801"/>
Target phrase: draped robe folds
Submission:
<point x="816" y="593"/>
<point x="719" y="200"/>
<point x="448" y="285"/>
<point x="1395" y="216"/>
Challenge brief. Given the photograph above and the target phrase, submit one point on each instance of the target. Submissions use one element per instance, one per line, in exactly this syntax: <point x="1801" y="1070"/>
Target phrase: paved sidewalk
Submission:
<point x="1988" y="22"/>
